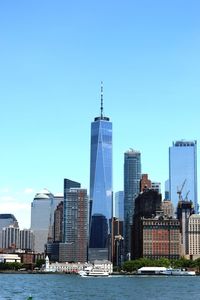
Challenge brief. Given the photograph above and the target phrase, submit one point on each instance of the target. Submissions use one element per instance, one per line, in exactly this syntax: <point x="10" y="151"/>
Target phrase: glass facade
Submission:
<point x="100" y="182"/>
<point x="132" y="176"/>
<point x="119" y="205"/>
<point x="183" y="172"/>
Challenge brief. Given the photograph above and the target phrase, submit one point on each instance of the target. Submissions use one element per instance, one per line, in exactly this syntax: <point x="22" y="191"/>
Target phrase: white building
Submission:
<point x="26" y="239"/>
<point x="10" y="258"/>
<point x="10" y="237"/>
<point x="62" y="267"/>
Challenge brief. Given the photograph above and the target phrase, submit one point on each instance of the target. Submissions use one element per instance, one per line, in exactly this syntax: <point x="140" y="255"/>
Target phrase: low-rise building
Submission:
<point x="10" y="258"/>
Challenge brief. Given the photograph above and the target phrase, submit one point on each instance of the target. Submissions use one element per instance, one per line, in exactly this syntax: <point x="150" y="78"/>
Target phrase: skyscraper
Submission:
<point x="100" y="184"/>
<point x="67" y="185"/>
<point x="132" y="176"/>
<point x="76" y="234"/>
<point x="183" y="172"/>
<point x="42" y="218"/>
<point x="119" y="205"/>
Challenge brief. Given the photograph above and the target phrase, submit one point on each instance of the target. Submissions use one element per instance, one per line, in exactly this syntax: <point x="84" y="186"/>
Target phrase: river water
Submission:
<point x="73" y="287"/>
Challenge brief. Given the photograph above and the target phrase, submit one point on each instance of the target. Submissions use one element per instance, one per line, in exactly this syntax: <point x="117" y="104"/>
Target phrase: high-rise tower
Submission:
<point x="183" y="172"/>
<point x="100" y="185"/>
<point x="132" y="176"/>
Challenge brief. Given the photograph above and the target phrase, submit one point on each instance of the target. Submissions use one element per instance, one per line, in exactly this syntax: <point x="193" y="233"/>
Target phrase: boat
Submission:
<point x="93" y="273"/>
<point x="164" y="271"/>
<point x="177" y="272"/>
<point x="182" y="272"/>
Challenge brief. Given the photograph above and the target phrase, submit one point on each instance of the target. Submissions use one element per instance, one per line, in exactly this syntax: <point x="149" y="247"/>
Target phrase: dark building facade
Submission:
<point x="67" y="185"/>
<point x="116" y="241"/>
<point x="58" y="223"/>
<point x="184" y="210"/>
<point x="132" y="176"/>
<point x="146" y="206"/>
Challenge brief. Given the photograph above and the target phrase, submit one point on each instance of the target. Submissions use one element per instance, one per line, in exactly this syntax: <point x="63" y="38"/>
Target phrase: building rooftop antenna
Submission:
<point x="101" y="99"/>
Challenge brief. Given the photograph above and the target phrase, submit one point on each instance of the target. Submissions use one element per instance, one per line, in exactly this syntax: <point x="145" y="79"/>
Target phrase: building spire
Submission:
<point x="101" y="99"/>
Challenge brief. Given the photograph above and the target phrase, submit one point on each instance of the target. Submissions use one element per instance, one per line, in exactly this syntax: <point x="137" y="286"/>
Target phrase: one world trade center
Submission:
<point x="100" y="185"/>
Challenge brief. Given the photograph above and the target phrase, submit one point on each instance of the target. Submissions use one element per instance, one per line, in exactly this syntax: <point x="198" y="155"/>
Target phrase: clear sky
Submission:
<point x="53" y="56"/>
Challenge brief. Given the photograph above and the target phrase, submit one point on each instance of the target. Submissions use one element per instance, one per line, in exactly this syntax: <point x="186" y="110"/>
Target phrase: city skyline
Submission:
<point x="53" y="58"/>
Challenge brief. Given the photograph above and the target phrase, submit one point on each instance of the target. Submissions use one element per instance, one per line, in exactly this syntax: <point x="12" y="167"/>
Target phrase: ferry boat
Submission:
<point x="93" y="273"/>
<point x="164" y="271"/>
<point x="178" y="272"/>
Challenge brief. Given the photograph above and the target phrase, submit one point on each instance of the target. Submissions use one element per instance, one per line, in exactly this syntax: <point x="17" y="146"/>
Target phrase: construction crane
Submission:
<point x="186" y="196"/>
<point x="179" y="191"/>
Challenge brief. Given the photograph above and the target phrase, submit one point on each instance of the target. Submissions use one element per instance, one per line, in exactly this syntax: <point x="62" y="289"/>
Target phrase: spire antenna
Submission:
<point x="101" y="99"/>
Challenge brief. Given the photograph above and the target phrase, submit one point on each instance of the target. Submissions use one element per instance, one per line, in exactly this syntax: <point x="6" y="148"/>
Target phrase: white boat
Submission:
<point x="93" y="273"/>
<point x="177" y="272"/>
<point x="98" y="273"/>
<point x="180" y="272"/>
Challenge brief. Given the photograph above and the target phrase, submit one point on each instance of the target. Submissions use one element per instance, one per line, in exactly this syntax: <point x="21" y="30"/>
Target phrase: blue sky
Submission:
<point x="54" y="55"/>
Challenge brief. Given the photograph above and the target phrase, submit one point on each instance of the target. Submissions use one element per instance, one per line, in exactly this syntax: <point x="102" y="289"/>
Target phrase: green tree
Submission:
<point x="39" y="263"/>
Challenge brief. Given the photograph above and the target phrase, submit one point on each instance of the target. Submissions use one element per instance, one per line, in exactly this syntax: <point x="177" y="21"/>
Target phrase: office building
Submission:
<point x="183" y="172"/>
<point x="119" y="205"/>
<point x="76" y="224"/>
<point x="117" y="241"/>
<point x="167" y="190"/>
<point x="26" y="240"/>
<point x="5" y="221"/>
<point x="58" y="223"/>
<point x="194" y="236"/>
<point x="42" y="218"/>
<point x="10" y="237"/>
<point x="184" y="210"/>
<point x="147" y="205"/>
<point x="68" y="184"/>
<point x="132" y="176"/>
<point x="160" y="238"/>
<point x="100" y="185"/>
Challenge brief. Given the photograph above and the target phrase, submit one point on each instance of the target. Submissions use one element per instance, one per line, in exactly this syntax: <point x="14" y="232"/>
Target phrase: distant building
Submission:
<point x="184" y="210"/>
<point x="156" y="186"/>
<point x="167" y="208"/>
<point x="167" y="190"/>
<point x="10" y="237"/>
<point x="132" y="176"/>
<point x="26" y="240"/>
<point x="10" y="258"/>
<point x="117" y="241"/>
<point x="5" y="221"/>
<point x="76" y="224"/>
<point x="42" y="218"/>
<point x="68" y="184"/>
<point x="58" y="223"/>
<point x="194" y="236"/>
<point x="147" y="204"/>
<point x="183" y="172"/>
<point x="119" y="205"/>
<point x="145" y="183"/>
<point x="101" y="191"/>
<point x="160" y="238"/>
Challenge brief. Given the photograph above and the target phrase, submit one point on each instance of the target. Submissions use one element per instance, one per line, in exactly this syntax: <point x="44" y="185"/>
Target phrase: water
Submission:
<point x="73" y="287"/>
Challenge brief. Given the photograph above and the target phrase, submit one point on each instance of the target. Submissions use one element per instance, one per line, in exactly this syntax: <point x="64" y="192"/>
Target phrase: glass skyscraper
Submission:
<point x="132" y="176"/>
<point x="183" y="172"/>
<point x="100" y="183"/>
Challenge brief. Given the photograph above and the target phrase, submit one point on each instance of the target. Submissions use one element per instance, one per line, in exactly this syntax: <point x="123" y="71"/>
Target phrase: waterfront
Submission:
<point x="73" y="287"/>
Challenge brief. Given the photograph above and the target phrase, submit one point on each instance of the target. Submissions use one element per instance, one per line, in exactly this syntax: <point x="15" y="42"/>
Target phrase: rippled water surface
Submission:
<point x="73" y="287"/>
